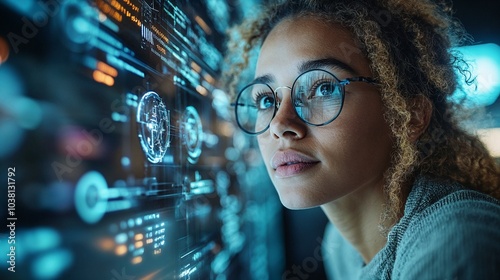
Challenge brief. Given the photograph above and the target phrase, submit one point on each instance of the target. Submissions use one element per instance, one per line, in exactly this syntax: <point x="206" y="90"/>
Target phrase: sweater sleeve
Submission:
<point x="456" y="238"/>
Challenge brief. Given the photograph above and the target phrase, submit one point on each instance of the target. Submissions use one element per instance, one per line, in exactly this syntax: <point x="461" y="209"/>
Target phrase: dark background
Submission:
<point x="481" y="18"/>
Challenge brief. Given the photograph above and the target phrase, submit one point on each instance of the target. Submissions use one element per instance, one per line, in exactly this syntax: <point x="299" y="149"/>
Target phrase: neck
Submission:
<point x="357" y="217"/>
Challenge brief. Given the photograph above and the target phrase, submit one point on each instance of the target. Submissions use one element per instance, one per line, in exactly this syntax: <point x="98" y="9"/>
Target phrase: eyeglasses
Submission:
<point x="317" y="97"/>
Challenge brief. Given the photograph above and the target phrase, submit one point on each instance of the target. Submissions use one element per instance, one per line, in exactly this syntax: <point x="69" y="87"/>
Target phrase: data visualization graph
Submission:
<point x="127" y="161"/>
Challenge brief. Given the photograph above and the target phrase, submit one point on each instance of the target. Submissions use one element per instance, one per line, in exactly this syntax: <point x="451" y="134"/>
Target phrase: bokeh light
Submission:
<point x="484" y="63"/>
<point x="4" y="50"/>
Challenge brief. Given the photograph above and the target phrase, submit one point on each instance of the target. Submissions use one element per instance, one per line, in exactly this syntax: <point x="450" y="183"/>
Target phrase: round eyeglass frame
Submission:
<point x="341" y="84"/>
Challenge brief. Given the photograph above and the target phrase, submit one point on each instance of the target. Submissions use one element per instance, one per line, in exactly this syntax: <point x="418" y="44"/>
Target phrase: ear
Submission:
<point x="421" y="112"/>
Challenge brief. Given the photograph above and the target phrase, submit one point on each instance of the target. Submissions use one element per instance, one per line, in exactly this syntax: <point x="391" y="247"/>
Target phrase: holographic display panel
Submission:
<point x="128" y="163"/>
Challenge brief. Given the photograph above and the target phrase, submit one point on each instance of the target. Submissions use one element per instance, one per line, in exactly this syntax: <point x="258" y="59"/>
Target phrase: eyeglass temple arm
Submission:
<point x="234" y="104"/>
<point x="359" y="79"/>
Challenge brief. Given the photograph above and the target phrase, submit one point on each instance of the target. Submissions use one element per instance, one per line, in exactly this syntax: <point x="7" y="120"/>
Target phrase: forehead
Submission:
<point x="295" y="41"/>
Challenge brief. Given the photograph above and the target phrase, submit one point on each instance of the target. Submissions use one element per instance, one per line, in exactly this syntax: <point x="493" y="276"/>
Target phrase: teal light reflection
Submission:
<point x="51" y="264"/>
<point x="11" y="90"/>
<point x="484" y="62"/>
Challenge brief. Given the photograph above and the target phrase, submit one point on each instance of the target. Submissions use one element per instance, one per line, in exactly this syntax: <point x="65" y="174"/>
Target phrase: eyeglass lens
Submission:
<point x="317" y="97"/>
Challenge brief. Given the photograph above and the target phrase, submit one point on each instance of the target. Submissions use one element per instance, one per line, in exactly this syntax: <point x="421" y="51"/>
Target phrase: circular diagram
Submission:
<point x="192" y="133"/>
<point x="153" y="124"/>
<point x="90" y="197"/>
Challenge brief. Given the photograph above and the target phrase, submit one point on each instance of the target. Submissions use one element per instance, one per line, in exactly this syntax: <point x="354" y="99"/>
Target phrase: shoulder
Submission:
<point x="463" y="208"/>
<point x="455" y="237"/>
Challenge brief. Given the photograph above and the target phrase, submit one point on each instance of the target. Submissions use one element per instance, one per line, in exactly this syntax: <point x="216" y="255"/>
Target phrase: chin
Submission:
<point x="297" y="201"/>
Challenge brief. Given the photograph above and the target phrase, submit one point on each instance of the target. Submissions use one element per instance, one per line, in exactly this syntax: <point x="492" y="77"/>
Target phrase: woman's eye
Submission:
<point x="264" y="101"/>
<point x="324" y="89"/>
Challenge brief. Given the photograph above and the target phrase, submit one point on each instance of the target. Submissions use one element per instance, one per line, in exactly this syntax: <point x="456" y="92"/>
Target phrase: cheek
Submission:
<point x="372" y="145"/>
<point x="264" y="149"/>
<point x="364" y="121"/>
<point x="359" y="143"/>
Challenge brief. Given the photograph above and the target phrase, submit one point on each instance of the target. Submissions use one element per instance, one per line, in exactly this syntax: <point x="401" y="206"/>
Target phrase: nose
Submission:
<point x="286" y="124"/>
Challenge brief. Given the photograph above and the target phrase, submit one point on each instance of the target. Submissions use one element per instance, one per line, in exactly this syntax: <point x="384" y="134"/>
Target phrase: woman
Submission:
<point x="350" y="106"/>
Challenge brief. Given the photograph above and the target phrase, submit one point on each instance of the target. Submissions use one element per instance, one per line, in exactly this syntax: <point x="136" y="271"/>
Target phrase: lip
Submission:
<point x="288" y="163"/>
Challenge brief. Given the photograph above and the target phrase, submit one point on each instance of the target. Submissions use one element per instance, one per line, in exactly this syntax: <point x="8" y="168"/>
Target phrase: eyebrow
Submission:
<point x="326" y="62"/>
<point x="309" y="65"/>
<point x="265" y="79"/>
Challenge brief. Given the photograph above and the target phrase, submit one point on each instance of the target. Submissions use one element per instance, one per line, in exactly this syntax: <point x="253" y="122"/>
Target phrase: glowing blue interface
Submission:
<point x="124" y="159"/>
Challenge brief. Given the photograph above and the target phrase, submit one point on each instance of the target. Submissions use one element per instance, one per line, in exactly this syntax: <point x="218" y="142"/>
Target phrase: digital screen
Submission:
<point x="119" y="154"/>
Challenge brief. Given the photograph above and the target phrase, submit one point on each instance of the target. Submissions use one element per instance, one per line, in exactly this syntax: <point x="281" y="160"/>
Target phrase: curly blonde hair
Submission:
<point x="410" y="47"/>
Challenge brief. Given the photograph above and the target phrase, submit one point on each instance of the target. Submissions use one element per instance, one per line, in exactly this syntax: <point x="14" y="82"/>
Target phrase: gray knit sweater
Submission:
<point x="446" y="233"/>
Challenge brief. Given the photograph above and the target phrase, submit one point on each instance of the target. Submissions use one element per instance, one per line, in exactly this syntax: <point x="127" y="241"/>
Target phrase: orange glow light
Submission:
<point x="103" y="78"/>
<point x="121" y="250"/>
<point x="152" y="275"/>
<point x="132" y="6"/>
<point x="139" y="236"/>
<point x="209" y="79"/>
<point x="161" y="49"/>
<point x="139" y="244"/>
<point x="201" y="90"/>
<point x="203" y="25"/>
<point x="106" y="244"/>
<point x="195" y="67"/>
<point x="137" y="260"/>
<point x="4" y="50"/>
<point x="108" y="10"/>
<point x="160" y="34"/>
<point x="103" y="67"/>
<point x="115" y="4"/>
